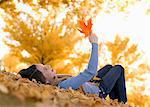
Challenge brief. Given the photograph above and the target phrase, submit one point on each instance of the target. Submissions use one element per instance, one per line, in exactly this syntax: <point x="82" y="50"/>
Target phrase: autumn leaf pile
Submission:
<point x="47" y="95"/>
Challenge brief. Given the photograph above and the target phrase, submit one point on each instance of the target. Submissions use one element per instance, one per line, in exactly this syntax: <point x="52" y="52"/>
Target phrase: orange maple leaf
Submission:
<point x="83" y="28"/>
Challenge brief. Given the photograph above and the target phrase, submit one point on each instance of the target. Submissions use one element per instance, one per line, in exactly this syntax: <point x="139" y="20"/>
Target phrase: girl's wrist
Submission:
<point x="94" y="42"/>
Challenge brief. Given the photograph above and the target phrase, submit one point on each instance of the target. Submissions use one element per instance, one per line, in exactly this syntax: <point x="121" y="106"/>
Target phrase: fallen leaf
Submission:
<point x="83" y="28"/>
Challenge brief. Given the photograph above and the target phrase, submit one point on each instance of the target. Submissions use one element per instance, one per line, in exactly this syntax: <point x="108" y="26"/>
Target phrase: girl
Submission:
<point x="112" y="80"/>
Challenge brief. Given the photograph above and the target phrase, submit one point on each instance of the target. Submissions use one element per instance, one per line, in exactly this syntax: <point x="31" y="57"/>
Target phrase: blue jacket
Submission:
<point x="83" y="78"/>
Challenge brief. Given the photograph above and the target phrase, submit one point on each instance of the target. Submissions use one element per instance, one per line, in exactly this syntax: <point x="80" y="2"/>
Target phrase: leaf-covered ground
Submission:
<point x="19" y="92"/>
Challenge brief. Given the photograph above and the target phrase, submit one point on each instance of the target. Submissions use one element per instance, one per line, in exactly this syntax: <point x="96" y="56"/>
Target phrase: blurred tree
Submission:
<point x="45" y="31"/>
<point x="122" y="53"/>
<point x="10" y="63"/>
<point x="1" y="67"/>
<point x="127" y="55"/>
<point x="138" y="97"/>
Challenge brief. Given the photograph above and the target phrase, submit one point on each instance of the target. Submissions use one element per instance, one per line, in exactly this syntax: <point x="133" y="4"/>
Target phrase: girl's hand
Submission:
<point x="93" y="38"/>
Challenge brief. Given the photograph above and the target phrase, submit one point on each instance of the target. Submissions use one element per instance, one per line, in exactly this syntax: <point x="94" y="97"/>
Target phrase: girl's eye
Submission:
<point x="54" y="77"/>
<point x="52" y="70"/>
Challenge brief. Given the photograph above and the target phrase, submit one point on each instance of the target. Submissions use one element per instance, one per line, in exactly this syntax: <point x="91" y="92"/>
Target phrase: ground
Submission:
<point x="19" y="92"/>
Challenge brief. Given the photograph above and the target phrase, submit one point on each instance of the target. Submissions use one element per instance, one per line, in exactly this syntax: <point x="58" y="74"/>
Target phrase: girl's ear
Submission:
<point x="39" y="77"/>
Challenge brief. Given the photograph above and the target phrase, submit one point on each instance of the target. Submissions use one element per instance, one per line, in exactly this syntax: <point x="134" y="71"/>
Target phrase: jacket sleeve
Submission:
<point x="77" y="81"/>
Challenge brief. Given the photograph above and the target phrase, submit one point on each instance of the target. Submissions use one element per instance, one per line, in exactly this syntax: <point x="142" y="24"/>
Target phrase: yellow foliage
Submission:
<point x="121" y="53"/>
<point x="47" y="39"/>
<point x="126" y="55"/>
<point x="138" y="98"/>
<point x="10" y="63"/>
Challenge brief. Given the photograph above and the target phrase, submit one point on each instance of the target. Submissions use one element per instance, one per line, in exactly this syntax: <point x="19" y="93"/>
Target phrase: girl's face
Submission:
<point x="48" y="72"/>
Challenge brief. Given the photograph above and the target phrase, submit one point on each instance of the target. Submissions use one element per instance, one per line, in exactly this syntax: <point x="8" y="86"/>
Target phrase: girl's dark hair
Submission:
<point x="32" y="73"/>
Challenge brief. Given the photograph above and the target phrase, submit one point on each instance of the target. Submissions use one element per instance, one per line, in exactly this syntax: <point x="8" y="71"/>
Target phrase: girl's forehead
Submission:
<point x="43" y="65"/>
<point x="40" y="65"/>
<point x="47" y="66"/>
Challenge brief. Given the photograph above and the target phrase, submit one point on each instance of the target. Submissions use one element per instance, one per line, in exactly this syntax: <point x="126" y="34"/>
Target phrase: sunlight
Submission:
<point x="135" y="24"/>
<point x="3" y="48"/>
